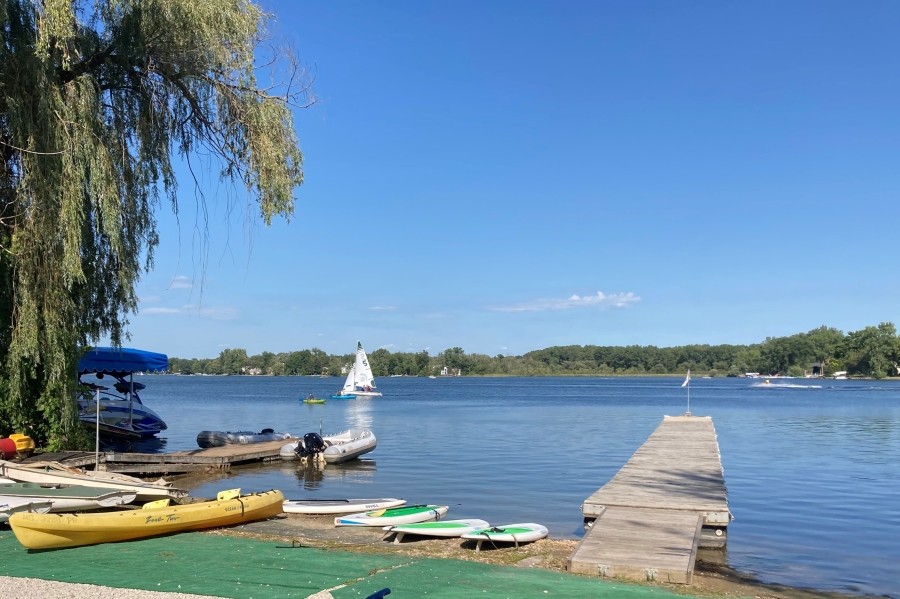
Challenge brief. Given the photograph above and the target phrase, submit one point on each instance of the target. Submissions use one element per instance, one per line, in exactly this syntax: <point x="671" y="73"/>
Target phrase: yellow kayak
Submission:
<point x="52" y="531"/>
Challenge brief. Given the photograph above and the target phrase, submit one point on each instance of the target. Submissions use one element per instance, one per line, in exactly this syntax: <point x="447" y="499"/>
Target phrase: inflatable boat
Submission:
<point x="336" y="448"/>
<point x="220" y="438"/>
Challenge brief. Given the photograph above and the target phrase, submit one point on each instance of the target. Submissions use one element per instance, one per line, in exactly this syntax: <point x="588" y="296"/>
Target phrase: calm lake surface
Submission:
<point x="812" y="468"/>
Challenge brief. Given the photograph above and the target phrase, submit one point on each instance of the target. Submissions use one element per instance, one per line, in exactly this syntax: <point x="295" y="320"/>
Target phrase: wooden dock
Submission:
<point x="665" y="503"/>
<point x="179" y="462"/>
<point x="195" y="460"/>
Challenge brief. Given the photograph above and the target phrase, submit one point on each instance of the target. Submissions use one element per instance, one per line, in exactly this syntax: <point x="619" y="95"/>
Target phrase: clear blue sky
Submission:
<point x="472" y="166"/>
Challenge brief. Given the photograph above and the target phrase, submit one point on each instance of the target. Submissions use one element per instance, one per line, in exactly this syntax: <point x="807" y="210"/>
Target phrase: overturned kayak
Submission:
<point x="442" y="528"/>
<point x="66" y="498"/>
<point x="52" y="531"/>
<point x="394" y="516"/>
<point x="511" y="533"/>
<point x="53" y="473"/>
<point x="339" y="447"/>
<point x="339" y="506"/>
<point x="14" y="505"/>
<point x="219" y="438"/>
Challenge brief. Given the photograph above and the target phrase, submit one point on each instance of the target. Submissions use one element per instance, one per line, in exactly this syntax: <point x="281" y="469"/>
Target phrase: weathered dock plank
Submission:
<point x="640" y="543"/>
<point x="192" y="460"/>
<point x="677" y="468"/>
<point x="665" y="502"/>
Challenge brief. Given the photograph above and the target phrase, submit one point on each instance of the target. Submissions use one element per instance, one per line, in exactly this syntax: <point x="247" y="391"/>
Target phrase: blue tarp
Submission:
<point x="115" y="360"/>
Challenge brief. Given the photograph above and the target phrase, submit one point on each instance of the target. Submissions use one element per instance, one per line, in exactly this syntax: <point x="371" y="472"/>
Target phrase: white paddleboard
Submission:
<point x="510" y="533"/>
<point x="394" y="516"/>
<point x="441" y="528"/>
<point x="339" y="506"/>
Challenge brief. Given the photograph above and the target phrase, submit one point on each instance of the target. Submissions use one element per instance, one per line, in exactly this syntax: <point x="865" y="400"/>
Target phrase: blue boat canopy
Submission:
<point x="116" y="360"/>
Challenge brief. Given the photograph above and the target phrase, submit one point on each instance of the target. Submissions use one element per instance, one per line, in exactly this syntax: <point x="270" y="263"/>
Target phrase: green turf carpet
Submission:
<point x="249" y="569"/>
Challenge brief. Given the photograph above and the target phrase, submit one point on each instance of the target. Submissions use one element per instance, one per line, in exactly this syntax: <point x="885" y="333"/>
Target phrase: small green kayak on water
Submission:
<point x="313" y="401"/>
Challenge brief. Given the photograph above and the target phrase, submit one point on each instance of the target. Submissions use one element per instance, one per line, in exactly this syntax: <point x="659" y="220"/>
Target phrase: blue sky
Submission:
<point x="508" y="176"/>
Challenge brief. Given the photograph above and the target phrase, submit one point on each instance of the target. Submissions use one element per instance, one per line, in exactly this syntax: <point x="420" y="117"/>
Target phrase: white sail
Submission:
<point x="364" y="375"/>
<point x="350" y="383"/>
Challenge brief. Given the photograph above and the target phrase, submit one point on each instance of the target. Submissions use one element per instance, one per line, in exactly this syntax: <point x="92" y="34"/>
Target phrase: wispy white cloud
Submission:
<point x="383" y="308"/>
<point x="602" y="300"/>
<point x="181" y="282"/>
<point x="387" y="346"/>
<point x="149" y="299"/>
<point x="214" y="312"/>
<point x="504" y="347"/>
<point x="162" y="311"/>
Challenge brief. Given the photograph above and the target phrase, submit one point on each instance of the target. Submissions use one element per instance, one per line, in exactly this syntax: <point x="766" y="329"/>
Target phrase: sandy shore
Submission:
<point x="35" y="588"/>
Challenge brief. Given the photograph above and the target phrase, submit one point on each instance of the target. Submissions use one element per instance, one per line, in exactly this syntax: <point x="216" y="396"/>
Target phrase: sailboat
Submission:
<point x="360" y="381"/>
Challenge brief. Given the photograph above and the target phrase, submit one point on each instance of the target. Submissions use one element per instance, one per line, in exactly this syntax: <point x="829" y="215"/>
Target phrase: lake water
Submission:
<point x="813" y="470"/>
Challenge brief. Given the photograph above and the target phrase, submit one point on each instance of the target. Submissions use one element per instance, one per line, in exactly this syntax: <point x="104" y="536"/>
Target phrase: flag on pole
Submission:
<point x="687" y="379"/>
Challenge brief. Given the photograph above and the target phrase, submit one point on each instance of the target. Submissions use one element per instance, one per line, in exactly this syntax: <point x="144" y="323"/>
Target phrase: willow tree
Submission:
<point x="100" y="101"/>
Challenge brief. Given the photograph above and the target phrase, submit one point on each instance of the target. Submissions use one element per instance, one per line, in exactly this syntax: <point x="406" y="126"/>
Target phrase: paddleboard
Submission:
<point x="441" y="528"/>
<point x="394" y="516"/>
<point x="510" y="533"/>
<point x="339" y="506"/>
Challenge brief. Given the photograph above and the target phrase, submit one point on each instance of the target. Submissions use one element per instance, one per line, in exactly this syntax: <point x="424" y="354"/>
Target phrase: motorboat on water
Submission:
<point x="66" y="498"/>
<point x="219" y="438"/>
<point x="339" y="447"/>
<point x="123" y="415"/>
<point x="54" y="473"/>
<point x="360" y="380"/>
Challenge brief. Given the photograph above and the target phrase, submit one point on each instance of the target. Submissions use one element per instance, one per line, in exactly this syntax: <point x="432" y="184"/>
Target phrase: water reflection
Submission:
<point x="312" y="474"/>
<point x="359" y="413"/>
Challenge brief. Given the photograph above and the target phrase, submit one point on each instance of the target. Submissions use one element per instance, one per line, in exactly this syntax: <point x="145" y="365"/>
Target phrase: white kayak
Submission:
<point x="10" y="506"/>
<point x="339" y="506"/>
<point x="441" y="528"/>
<point x="510" y="533"/>
<point x="394" y="516"/>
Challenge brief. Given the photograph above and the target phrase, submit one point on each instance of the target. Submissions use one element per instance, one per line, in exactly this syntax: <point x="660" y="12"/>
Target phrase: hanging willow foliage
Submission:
<point x="97" y="99"/>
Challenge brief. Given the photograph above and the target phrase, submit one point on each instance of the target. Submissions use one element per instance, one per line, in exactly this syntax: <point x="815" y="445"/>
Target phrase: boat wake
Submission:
<point x="785" y="386"/>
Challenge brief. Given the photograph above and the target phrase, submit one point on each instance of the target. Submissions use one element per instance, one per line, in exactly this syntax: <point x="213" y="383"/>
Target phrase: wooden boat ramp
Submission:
<point x="179" y="462"/>
<point x="666" y="502"/>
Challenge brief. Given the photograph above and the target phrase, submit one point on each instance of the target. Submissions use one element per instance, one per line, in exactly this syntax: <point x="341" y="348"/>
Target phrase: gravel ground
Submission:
<point x="33" y="588"/>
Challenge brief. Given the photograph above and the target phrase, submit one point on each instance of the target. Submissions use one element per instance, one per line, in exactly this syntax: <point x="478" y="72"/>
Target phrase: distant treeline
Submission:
<point x="872" y="351"/>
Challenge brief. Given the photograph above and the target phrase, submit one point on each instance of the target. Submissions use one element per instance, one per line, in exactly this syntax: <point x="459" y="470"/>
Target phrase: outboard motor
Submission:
<point x="313" y="443"/>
